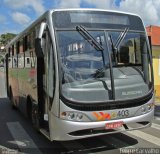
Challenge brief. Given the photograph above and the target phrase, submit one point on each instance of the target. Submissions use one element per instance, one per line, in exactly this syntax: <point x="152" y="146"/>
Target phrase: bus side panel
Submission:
<point x="13" y="80"/>
<point x="27" y="75"/>
<point x="6" y="74"/>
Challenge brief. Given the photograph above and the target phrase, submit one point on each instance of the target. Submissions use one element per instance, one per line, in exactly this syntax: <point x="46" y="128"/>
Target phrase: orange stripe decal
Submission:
<point x="102" y="116"/>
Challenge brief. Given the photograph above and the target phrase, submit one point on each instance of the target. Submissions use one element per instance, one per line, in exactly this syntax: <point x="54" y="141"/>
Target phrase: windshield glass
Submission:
<point x="129" y="50"/>
<point x="88" y="74"/>
<point x="79" y="59"/>
<point x="131" y="66"/>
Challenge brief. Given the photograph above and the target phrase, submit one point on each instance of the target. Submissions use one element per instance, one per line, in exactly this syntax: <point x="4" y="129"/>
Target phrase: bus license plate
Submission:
<point x="114" y="125"/>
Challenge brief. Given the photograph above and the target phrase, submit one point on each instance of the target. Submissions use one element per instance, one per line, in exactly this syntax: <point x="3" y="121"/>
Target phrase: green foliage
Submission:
<point x="5" y="38"/>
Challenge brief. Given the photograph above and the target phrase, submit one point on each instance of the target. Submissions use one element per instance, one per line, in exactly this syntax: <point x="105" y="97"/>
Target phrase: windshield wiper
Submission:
<point x="121" y="37"/>
<point x="114" y="50"/>
<point x="89" y="38"/>
<point x="118" y="42"/>
<point x="99" y="73"/>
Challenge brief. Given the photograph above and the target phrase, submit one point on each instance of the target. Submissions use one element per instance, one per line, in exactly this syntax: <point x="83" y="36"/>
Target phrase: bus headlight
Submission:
<point x="71" y="116"/>
<point x="74" y="116"/>
<point x="149" y="107"/>
<point x="145" y="109"/>
<point x="79" y="117"/>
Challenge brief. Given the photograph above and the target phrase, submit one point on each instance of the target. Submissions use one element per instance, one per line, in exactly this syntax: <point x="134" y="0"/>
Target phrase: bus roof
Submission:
<point x="94" y="9"/>
<point x="49" y="12"/>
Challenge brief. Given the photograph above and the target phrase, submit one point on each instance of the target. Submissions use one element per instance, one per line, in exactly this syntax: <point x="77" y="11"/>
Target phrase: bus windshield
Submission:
<point x="86" y="71"/>
<point x="99" y="65"/>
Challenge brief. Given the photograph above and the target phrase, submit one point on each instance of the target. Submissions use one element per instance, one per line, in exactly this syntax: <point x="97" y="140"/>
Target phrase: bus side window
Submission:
<point x="28" y="61"/>
<point x="32" y="59"/>
<point x="9" y="58"/>
<point x="14" y="56"/>
<point x="51" y="71"/>
<point x="14" y="62"/>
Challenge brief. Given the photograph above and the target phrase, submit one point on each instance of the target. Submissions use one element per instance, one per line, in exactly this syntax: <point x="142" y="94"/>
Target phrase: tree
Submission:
<point x="5" y="38"/>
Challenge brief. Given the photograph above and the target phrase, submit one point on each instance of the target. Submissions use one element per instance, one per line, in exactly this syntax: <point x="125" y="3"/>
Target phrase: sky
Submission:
<point x="16" y="15"/>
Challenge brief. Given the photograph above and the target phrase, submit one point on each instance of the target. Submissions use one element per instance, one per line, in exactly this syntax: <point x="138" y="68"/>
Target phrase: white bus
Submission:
<point x="80" y="73"/>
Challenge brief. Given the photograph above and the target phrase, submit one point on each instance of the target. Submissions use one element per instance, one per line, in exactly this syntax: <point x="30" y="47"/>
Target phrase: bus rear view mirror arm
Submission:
<point x="38" y="48"/>
<point x="42" y="29"/>
<point x="38" y="40"/>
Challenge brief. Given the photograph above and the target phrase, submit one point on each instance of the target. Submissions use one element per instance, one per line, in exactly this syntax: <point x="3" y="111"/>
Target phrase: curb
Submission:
<point x="4" y="150"/>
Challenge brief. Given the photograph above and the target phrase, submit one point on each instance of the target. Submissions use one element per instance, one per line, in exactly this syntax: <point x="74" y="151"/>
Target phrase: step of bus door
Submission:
<point x="45" y="133"/>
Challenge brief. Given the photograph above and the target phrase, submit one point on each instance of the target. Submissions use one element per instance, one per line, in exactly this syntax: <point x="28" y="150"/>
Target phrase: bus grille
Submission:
<point x="108" y="105"/>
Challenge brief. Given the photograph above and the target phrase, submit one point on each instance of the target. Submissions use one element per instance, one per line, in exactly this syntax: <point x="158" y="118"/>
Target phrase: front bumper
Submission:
<point x="63" y="130"/>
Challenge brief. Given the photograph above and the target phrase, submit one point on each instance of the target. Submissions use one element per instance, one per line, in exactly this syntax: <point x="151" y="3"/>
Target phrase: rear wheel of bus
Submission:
<point x="11" y="99"/>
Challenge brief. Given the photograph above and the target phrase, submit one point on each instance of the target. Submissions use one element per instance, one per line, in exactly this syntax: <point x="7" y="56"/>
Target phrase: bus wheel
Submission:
<point x="32" y="111"/>
<point x="11" y="99"/>
<point x="35" y="116"/>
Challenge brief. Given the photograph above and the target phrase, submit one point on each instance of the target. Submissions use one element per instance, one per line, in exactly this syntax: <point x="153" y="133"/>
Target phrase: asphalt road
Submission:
<point x="18" y="136"/>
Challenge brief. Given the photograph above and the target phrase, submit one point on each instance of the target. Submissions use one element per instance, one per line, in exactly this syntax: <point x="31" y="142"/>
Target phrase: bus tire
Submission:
<point x="11" y="99"/>
<point x="32" y="112"/>
<point x="35" y="116"/>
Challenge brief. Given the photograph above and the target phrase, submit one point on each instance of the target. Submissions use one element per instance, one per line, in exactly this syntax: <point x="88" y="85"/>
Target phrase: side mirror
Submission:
<point x="42" y="29"/>
<point x="38" y="40"/>
<point x="150" y="43"/>
<point x="38" y="48"/>
<point x="39" y="51"/>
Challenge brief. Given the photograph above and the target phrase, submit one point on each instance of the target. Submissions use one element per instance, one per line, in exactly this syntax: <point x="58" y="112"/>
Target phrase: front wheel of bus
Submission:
<point x="35" y="116"/>
<point x="32" y="112"/>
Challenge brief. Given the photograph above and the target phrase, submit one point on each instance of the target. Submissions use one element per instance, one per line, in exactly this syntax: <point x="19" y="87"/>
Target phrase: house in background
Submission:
<point x="154" y="33"/>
